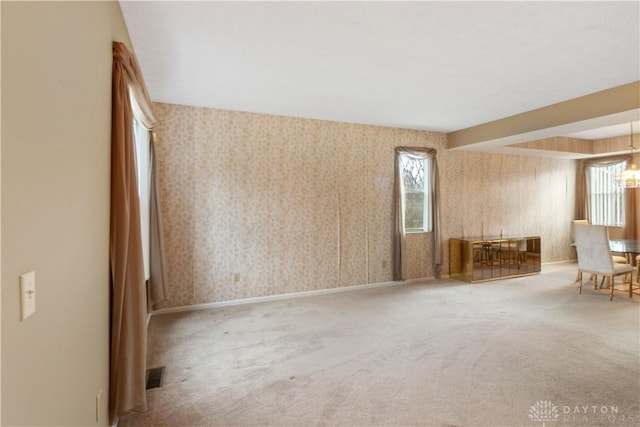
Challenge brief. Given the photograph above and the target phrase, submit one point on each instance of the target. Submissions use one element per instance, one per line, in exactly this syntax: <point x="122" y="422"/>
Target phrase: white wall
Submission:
<point x="56" y="121"/>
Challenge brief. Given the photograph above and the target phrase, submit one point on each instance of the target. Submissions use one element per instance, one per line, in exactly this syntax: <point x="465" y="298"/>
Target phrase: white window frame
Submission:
<point x="427" y="217"/>
<point x="605" y="195"/>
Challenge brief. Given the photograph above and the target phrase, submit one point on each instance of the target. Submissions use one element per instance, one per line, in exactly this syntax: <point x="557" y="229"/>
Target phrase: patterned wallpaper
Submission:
<point x="260" y="205"/>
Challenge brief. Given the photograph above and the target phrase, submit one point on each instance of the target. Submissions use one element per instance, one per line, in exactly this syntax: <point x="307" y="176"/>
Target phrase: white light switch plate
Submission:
<point x="27" y="294"/>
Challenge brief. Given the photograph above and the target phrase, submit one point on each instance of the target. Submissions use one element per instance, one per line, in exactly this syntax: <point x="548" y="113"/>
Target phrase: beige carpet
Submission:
<point x="518" y="352"/>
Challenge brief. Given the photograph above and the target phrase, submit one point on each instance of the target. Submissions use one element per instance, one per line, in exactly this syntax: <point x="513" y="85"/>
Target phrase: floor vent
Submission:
<point x="154" y="377"/>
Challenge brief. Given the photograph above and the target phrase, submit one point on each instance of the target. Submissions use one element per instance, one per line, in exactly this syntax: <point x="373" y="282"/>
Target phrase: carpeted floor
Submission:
<point x="519" y="352"/>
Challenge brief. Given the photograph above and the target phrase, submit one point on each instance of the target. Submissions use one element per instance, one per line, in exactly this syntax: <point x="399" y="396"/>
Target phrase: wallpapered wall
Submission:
<point x="259" y="205"/>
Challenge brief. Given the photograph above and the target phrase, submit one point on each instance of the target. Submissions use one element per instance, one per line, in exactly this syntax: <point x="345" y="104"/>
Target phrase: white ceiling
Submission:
<point x="608" y="131"/>
<point x="441" y="66"/>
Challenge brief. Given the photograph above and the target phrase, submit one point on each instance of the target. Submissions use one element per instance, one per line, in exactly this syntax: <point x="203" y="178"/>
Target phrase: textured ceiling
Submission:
<point x="440" y="66"/>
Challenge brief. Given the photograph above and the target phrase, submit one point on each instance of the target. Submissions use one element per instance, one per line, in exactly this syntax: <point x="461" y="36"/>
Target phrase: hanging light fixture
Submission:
<point x="630" y="178"/>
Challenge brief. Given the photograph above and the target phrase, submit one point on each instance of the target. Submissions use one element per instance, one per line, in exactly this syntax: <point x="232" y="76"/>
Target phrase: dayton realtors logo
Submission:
<point x="543" y="410"/>
<point x="596" y="414"/>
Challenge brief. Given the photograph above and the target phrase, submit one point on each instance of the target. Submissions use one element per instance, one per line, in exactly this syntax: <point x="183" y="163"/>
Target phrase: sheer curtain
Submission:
<point x="141" y="136"/>
<point x="127" y="277"/>
<point x="158" y="291"/>
<point x="399" y="232"/>
<point x="151" y="215"/>
<point x="631" y="229"/>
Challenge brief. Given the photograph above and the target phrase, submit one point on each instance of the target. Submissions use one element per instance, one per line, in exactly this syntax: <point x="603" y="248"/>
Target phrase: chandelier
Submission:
<point x="630" y="178"/>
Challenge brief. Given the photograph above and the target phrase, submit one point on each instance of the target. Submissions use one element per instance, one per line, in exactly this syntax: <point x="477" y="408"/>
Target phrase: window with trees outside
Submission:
<point x="606" y="196"/>
<point x="416" y="186"/>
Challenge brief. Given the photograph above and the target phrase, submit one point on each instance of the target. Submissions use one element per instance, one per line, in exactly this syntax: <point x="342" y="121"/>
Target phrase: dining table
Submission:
<point x="629" y="247"/>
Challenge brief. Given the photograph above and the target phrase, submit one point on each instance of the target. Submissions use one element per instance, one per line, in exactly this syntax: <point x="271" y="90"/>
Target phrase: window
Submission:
<point x="416" y="185"/>
<point x="606" y="197"/>
<point x="143" y="171"/>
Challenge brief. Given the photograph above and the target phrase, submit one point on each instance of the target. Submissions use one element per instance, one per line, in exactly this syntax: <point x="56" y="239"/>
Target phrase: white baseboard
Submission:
<point x="565" y="261"/>
<point x="292" y="295"/>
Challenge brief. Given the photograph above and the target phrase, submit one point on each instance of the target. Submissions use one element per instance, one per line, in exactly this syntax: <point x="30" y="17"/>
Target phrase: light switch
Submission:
<point x="27" y="294"/>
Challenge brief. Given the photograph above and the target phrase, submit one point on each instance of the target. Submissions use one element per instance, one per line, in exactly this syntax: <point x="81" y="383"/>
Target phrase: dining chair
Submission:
<point x="574" y="223"/>
<point x="616" y="258"/>
<point x="594" y="256"/>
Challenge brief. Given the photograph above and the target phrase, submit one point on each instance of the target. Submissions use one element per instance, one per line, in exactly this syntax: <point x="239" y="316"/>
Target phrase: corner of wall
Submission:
<point x="55" y="208"/>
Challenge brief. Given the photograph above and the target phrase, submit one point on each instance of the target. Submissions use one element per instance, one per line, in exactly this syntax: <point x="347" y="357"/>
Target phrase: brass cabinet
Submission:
<point x="491" y="258"/>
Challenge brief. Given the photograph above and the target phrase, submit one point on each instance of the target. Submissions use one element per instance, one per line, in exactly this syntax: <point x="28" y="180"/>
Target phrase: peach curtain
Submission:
<point x="399" y="233"/>
<point x="632" y="209"/>
<point x="632" y="222"/>
<point x="128" y="294"/>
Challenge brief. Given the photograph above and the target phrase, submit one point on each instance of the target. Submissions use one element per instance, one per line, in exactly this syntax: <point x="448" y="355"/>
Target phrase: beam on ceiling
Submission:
<point x="547" y="121"/>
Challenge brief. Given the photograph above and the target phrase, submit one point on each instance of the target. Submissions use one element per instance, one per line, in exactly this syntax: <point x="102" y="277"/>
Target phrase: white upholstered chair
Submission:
<point x="594" y="256"/>
<point x="573" y="226"/>
<point x="616" y="258"/>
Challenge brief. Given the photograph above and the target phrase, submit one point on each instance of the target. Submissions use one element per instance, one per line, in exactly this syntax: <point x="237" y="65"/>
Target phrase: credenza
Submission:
<point x="478" y="259"/>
